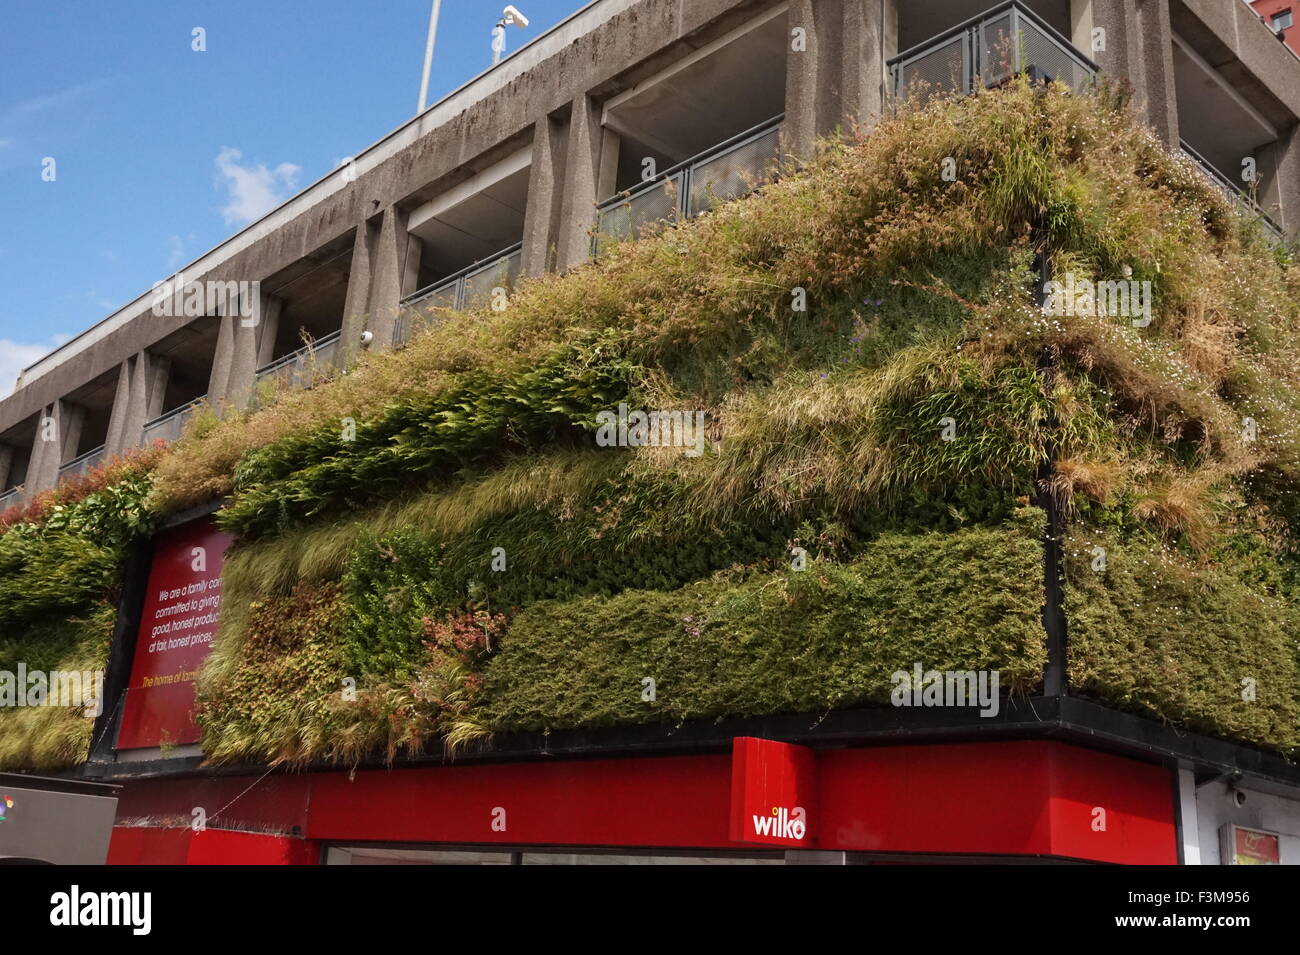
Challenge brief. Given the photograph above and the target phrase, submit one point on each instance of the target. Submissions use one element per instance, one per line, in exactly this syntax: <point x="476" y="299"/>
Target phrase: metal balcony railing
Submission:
<point x="306" y="366"/>
<point x="988" y="50"/>
<point x="1230" y="189"/>
<point x="469" y="288"/>
<point x="168" y="427"/>
<point x="81" y="463"/>
<point x="728" y="170"/>
<point x="11" y="498"/>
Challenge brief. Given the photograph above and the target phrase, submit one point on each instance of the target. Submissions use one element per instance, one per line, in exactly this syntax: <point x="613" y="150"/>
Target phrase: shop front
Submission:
<point x="765" y="802"/>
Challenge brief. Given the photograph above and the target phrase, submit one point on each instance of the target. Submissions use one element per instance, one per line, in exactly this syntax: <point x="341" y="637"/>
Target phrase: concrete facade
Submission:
<point x="551" y="99"/>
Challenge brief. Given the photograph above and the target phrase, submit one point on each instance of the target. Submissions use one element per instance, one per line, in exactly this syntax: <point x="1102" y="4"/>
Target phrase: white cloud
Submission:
<point x="175" y="251"/>
<point x="254" y="190"/>
<point x="14" y="357"/>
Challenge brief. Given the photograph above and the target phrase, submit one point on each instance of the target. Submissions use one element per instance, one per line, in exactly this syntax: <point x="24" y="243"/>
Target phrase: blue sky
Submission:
<point x="162" y="152"/>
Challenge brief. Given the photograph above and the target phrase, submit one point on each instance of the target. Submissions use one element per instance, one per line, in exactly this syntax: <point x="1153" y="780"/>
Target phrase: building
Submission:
<point x="502" y="174"/>
<point x="506" y="176"/>
<point x="1280" y="17"/>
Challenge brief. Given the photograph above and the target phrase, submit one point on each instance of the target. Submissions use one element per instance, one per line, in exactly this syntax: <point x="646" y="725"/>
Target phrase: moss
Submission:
<point x="829" y="636"/>
<point x="1158" y="636"/>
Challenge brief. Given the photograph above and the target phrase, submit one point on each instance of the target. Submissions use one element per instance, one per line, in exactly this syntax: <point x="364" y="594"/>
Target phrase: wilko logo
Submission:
<point x="782" y="824"/>
<point x="771" y="783"/>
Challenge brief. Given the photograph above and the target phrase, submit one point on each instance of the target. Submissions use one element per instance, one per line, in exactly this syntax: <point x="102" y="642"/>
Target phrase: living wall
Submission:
<point x="436" y="546"/>
<point x="61" y="561"/>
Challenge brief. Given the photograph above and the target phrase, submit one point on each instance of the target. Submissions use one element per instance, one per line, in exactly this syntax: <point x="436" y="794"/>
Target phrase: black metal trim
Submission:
<point x="754" y="132"/>
<point x="1068" y="719"/>
<point x="58" y="784"/>
<point x="117" y="670"/>
<point x="989" y="14"/>
<point x="454" y="277"/>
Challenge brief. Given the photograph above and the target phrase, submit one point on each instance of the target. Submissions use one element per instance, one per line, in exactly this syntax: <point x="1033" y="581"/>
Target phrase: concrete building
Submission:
<point x="1280" y="15"/>
<point x="513" y="173"/>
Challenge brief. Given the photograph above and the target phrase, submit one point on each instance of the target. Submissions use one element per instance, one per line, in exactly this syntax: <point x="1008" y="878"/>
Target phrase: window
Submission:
<point x="1282" y="21"/>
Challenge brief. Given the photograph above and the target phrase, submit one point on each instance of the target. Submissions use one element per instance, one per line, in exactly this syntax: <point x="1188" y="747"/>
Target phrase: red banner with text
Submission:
<point x="177" y="626"/>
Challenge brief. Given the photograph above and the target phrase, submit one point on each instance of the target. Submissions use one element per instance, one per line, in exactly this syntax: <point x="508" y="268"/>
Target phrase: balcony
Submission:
<point x="11" y="498"/>
<point x="469" y="288"/>
<point x="81" y="464"/>
<point x="304" y="367"/>
<point x="731" y="169"/>
<point x="987" y="50"/>
<point x="168" y="427"/>
<point x="1230" y="189"/>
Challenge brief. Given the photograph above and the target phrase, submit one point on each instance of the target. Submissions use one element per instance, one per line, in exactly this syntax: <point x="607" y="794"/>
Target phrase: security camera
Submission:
<point x="513" y="17"/>
<point x="367" y="337"/>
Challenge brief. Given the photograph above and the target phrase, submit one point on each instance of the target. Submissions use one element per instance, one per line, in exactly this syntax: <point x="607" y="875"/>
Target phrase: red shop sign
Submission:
<point x="177" y="626"/>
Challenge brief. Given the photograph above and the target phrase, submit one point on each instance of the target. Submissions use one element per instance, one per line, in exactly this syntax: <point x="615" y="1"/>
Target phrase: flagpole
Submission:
<point x="428" y="54"/>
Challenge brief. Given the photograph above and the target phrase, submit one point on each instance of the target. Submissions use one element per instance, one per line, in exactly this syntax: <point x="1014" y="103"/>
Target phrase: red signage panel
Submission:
<point x="177" y="626"/>
<point x="773" y="790"/>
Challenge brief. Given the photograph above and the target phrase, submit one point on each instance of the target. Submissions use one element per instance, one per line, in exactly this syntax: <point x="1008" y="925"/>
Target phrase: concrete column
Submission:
<point x="268" y="328"/>
<point x="357" y="303"/>
<point x="57" y="433"/>
<point x="243" y="358"/>
<point x="1279" y="170"/>
<point x="799" y="131"/>
<point x="45" y="439"/>
<point x="222" y="360"/>
<point x="386" y="286"/>
<point x="542" y="213"/>
<point x="1139" y="47"/>
<point x="116" y="442"/>
<point x="74" y="416"/>
<point x="611" y="147"/>
<point x="411" y="267"/>
<point x="835" y="74"/>
<point x="6" y="465"/>
<point x="1081" y="25"/>
<point x="1158" y="69"/>
<point x="869" y="35"/>
<point x="581" y="169"/>
<point x="141" y="390"/>
<point x="158" y="373"/>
